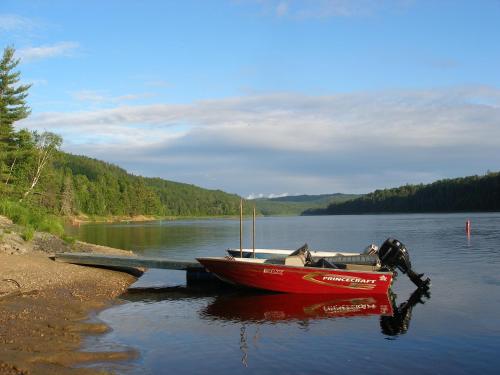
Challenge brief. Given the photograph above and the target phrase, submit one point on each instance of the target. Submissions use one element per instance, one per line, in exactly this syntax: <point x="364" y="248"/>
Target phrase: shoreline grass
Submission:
<point x="33" y="219"/>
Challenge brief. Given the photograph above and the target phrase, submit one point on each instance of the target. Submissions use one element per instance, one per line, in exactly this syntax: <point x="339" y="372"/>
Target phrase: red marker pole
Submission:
<point x="467" y="227"/>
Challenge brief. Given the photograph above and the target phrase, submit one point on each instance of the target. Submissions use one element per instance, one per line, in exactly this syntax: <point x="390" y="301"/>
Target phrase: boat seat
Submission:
<point x="299" y="257"/>
<point x="298" y="260"/>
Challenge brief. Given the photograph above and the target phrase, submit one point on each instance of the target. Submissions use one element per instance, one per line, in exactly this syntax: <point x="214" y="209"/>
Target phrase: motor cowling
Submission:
<point x="393" y="254"/>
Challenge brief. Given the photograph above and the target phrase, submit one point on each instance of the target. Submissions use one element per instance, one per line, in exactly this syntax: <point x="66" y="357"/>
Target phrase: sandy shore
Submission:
<point x="44" y="305"/>
<point x="83" y="219"/>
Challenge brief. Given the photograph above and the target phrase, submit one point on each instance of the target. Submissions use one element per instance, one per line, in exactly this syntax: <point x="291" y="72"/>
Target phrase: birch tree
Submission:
<point x="46" y="144"/>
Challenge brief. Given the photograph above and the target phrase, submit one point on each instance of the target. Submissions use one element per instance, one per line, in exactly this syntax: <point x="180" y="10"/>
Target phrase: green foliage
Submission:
<point x="12" y="108"/>
<point x="51" y="224"/>
<point x="473" y="193"/>
<point x="81" y="185"/>
<point x="68" y="239"/>
<point x="28" y="233"/>
<point x="18" y="213"/>
<point x="178" y="199"/>
<point x="34" y="156"/>
<point x="12" y="95"/>
<point x="31" y="217"/>
<point x="24" y="155"/>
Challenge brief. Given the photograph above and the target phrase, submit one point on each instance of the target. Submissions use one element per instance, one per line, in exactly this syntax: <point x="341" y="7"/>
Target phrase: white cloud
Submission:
<point x="262" y="195"/>
<point x="42" y="52"/>
<point x="321" y="9"/>
<point x="12" y="22"/>
<point x="158" y="83"/>
<point x="291" y="142"/>
<point x="281" y="9"/>
<point x="101" y="97"/>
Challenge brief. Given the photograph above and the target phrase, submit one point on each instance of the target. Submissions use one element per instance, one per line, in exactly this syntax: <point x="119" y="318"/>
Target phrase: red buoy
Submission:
<point x="467" y="227"/>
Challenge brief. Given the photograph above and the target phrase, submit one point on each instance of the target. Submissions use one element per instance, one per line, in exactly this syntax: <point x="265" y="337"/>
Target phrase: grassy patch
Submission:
<point x="28" y="233"/>
<point x="68" y="239"/>
<point x="31" y="217"/>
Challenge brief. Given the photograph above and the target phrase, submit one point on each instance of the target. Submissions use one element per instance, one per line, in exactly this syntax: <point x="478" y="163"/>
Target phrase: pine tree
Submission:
<point x="13" y="105"/>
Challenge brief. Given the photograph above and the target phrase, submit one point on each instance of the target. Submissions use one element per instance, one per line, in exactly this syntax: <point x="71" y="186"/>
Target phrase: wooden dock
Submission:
<point x="103" y="260"/>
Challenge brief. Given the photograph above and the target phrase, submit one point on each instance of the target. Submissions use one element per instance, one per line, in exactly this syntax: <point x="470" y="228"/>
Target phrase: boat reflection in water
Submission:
<point x="303" y="308"/>
<point x="399" y="322"/>
<point x="252" y="308"/>
<point x="255" y="308"/>
<point x="290" y="307"/>
<point x="258" y="307"/>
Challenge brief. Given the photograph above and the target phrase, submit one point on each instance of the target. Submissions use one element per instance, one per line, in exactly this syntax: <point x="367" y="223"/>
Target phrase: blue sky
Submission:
<point x="267" y="97"/>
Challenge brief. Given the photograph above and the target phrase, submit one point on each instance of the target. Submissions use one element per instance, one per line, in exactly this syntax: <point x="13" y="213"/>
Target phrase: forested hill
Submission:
<point x="79" y="184"/>
<point x="296" y="204"/>
<point x="473" y="193"/>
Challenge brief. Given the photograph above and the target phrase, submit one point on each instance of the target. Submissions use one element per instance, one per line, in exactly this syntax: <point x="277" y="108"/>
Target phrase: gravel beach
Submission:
<point x="45" y="305"/>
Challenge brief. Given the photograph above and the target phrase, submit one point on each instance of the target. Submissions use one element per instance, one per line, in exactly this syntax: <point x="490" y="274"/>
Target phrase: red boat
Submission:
<point x="300" y="273"/>
<point x="256" y="273"/>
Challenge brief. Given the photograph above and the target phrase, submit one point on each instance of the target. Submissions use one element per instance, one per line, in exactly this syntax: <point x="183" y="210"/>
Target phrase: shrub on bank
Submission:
<point x="31" y="217"/>
<point x="68" y="239"/>
<point x="28" y="233"/>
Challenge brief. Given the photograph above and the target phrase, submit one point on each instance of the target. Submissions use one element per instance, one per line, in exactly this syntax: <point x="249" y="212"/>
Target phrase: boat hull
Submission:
<point x="292" y="279"/>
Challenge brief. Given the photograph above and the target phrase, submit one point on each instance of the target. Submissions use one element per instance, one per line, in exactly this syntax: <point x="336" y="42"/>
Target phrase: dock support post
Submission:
<point x="241" y="228"/>
<point x="253" y="232"/>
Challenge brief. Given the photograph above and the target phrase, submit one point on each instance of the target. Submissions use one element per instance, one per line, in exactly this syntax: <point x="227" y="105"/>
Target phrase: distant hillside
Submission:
<point x="473" y="193"/>
<point x="295" y="205"/>
<point x="82" y="185"/>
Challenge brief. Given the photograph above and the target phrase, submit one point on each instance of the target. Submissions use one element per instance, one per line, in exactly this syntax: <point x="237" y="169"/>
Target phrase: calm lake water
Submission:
<point x="180" y="330"/>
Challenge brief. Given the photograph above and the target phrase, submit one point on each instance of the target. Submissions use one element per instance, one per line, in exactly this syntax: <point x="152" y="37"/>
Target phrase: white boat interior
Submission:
<point x="286" y="252"/>
<point x="303" y="260"/>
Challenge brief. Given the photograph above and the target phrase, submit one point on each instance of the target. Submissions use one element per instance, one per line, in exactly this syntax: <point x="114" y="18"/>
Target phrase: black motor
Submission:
<point x="393" y="254"/>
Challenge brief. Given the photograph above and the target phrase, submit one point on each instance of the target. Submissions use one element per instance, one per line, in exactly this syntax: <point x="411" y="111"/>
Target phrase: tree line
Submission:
<point x="81" y="184"/>
<point x="34" y="172"/>
<point x="473" y="193"/>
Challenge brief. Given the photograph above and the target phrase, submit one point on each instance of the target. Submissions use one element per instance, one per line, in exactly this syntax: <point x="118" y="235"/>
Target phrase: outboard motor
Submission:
<point x="393" y="254"/>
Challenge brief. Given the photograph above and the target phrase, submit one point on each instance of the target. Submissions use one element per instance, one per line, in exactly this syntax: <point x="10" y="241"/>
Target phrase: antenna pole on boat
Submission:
<point x="241" y="228"/>
<point x="253" y="232"/>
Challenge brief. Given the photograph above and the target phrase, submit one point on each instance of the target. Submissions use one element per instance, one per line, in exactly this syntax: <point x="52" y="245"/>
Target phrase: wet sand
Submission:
<point x="45" y="308"/>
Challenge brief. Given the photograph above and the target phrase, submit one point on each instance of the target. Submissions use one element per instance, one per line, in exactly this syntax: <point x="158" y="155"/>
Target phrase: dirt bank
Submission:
<point x="84" y="219"/>
<point x="44" y="305"/>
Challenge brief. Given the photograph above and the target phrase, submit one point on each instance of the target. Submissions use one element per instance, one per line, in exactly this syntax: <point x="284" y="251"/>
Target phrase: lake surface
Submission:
<point x="182" y="330"/>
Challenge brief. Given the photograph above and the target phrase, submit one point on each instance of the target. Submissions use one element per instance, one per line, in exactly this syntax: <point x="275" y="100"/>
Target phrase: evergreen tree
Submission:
<point x="13" y="106"/>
